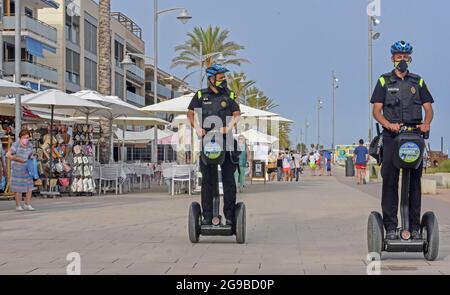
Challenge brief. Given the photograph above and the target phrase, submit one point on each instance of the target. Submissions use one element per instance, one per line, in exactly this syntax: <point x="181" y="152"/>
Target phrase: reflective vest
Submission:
<point x="402" y="103"/>
<point x="218" y="105"/>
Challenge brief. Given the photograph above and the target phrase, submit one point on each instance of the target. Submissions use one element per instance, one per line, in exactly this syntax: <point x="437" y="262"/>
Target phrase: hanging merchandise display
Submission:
<point x="83" y="159"/>
<point x="60" y="169"/>
<point x="6" y="140"/>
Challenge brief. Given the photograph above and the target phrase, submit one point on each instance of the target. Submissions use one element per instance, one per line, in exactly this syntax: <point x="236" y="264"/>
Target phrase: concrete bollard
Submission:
<point x="445" y="179"/>
<point x="428" y="186"/>
<point x="442" y="179"/>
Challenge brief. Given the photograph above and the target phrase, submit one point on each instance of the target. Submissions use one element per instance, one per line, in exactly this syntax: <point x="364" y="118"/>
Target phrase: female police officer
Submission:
<point x="398" y="99"/>
<point x="229" y="113"/>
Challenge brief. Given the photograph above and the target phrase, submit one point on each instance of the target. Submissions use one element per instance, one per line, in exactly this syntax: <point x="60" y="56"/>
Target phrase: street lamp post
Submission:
<point x="319" y="107"/>
<point x="306" y="133"/>
<point x="373" y="21"/>
<point x="183" y="17"/>
<point x="335" y="80"/>
<point x="17" y="62"/>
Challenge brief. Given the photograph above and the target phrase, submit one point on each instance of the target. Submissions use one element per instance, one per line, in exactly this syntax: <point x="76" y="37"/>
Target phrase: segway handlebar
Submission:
<point x="410" y="129"/>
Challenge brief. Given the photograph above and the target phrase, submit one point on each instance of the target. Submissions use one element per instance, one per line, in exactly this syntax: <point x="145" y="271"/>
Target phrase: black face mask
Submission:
<point x="402" y="66"/>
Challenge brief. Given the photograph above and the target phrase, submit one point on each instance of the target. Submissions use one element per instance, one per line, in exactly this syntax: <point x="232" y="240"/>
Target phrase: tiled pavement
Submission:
<point x="316" y="226"/>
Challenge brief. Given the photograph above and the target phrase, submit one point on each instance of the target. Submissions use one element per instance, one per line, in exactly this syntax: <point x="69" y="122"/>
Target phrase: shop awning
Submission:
<point x="36" y="48"/>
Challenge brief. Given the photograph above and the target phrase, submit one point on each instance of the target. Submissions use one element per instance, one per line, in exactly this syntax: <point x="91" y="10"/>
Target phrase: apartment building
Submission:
<point x="169" y="86"/>
<point x="60" y="47"/>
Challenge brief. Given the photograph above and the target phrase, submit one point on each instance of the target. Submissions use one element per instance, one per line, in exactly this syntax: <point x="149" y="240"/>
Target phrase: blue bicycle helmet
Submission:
<point x="213" y="70"/>
<point x="401" y="47"/>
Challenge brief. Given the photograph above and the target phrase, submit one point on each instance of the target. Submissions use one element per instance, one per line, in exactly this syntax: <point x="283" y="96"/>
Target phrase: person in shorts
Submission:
<point x="360" y="158"/>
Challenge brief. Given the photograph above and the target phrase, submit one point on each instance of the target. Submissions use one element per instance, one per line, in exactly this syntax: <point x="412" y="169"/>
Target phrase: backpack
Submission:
<point x="376" y="147"/>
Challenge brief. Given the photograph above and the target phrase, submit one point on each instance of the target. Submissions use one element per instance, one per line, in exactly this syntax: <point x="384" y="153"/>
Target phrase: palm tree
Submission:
<point x="238" y="83"/>
<point x="255" y="98"/>
<point x="104" y="73"/>
<point x="211" y="40"/>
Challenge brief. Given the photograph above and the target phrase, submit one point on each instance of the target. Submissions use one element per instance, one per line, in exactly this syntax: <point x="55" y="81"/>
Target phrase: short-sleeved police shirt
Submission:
<point x="379" y="94"/>
<point x="196" y="102"/>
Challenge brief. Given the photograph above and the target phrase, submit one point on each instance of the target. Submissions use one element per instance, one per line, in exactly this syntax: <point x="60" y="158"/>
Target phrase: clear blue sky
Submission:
<point x="294" y="45"/>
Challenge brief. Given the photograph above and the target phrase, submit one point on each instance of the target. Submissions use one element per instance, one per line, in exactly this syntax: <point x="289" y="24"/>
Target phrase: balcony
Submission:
<point x="162" y="90"/>
<point x="135" y="98"/>
<point x="33" y="70"/>
<point x="136" y="73"/>
<point x="33" y="26"/>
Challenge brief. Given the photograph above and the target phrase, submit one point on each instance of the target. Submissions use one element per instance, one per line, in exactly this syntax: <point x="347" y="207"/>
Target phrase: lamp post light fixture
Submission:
<point x="335" y="86"/>
<point x="319" y="107"/>
<point x="372" y="36"/>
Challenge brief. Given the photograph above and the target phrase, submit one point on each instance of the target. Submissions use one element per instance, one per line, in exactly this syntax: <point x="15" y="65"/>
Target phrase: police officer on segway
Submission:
<point x="219" y="102"/>
<point x="398" y="100"/>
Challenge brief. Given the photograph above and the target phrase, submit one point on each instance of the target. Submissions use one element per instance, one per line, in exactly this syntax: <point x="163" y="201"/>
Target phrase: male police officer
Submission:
<point x="217" y="100"/>
<point x="398" y="99"/>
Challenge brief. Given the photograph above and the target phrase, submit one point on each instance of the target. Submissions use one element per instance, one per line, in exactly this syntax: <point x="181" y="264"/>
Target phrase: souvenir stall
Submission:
<point x="57" y="175"/>
<point x="83" y="160"/>
<point x="7" y="139"/>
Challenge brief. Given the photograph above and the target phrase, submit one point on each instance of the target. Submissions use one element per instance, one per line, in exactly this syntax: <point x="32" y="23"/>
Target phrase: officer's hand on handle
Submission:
<point x="200" y="132"/>
<point x="424" y="127"/>
<point x="394" y="127"/>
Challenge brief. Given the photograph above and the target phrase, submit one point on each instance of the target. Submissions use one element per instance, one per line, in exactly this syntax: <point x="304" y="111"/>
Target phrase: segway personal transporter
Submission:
<point x="410" y="146"/>
<point x="214" y="155"/>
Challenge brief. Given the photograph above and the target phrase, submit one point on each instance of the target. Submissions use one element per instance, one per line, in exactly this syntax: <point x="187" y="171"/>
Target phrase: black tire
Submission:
<point x="375" y="233"/>
<point x="195" y="214"/>
<point x="430" y="233"/>
<point x="240" y="223"/>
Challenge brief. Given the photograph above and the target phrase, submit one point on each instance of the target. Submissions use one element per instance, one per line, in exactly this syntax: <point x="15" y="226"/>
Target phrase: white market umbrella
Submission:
<point x="255" y="136"/>
<point x="277" y="119"/>
<point x="56" y="99"/>
<point x="10" y="88"/>
<point x="178" y="105"/>
<point x="254" y="112"/>
<point x="137" y="121"/>
<point x="117" y="108"/>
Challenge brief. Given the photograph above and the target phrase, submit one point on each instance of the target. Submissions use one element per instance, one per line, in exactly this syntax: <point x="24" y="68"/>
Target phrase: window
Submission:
<point x="90" y="37"/>
<point x="90" y="76"/>
<point x="72" y="67"/>
<point x="72" y="29"/>
<point x="118" y="53"/>
<point x="119" y="85"/>
<point x="28" y="12"/>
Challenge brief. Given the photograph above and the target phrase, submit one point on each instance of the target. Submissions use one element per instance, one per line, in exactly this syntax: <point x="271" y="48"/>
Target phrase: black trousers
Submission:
<point x="390" y="197"/>
<point x="229" y="188"/>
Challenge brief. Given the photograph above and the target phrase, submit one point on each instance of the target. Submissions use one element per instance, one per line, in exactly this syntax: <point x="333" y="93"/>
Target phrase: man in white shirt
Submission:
<point x="298" y="166"/>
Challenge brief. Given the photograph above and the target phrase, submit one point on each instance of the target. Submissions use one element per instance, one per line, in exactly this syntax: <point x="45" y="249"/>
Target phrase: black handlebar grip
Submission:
<point x="426" y="135"/>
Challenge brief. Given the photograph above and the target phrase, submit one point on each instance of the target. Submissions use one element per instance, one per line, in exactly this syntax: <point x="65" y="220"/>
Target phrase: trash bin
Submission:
<point x="349" y="167"/>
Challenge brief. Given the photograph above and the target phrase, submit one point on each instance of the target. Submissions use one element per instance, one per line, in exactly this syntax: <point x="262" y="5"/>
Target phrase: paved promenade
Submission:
<point x="316" y="226"/>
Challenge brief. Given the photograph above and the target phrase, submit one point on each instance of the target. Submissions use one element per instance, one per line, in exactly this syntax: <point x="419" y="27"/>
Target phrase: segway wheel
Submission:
<point x="240" y="223"/>
<point x="430" y="233"/>
<point x="375" y="233"/>
<point x="194" y="222"/>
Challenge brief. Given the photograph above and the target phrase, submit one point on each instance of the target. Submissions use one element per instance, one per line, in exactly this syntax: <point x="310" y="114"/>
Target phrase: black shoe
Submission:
<point x="415" y="235"/>
<point x="207" y="221"/>
<point x="391" y="235"/>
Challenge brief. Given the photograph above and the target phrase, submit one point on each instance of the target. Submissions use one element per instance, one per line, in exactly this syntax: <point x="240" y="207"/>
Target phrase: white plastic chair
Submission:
<point x="109" y="173"/>
<point x="181" y="173"/>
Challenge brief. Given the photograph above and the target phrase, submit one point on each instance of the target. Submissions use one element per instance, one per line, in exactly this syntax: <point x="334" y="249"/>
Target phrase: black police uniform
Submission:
<point x="222" y="105"/>
<point x="402" y="103"/>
